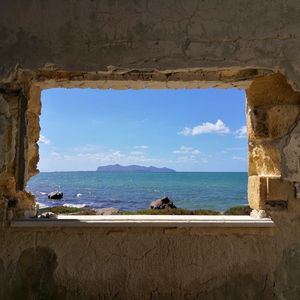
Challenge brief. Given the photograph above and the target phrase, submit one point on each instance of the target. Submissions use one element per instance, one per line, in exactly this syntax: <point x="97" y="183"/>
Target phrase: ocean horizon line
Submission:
<point x="86" y="171"/>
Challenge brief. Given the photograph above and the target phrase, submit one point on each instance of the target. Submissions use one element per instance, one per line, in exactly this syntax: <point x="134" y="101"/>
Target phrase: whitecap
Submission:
<point x="74" y="205"/>
<point x="78" y="195"/>
<point x="43" y="193"/>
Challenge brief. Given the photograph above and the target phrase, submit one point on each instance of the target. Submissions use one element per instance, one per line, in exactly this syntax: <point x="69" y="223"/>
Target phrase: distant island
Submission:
<point x="133" y="168"/>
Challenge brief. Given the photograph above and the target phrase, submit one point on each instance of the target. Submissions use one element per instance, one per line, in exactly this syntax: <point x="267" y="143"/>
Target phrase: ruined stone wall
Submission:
<point x="165" y="44"/>
<point x="272" y="121"/>
<point x="17" y="159"/>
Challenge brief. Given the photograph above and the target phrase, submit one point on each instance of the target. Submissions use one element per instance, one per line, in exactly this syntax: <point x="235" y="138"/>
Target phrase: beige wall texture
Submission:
<point x="253" y="45"/>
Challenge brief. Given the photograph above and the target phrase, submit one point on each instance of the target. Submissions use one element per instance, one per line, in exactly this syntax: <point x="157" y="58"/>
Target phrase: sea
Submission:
<point x="135" y="191"/>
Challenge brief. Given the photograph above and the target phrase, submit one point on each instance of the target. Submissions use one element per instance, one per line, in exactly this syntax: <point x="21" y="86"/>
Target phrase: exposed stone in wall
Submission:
<point x="271" y="122"/>
<point x="272" y="117"/>
<point x="125" y="78"/>
<point x="264" y="159"/>
<point x="257" y="191"/>
<point x="17" y="201"/>
<point x="33" y="130"/>
<point x="8" y="123"/>
<point x="272" y="112"/>
<point x="272" y="107"/>
<point x="30" y="83"/>
<point x="4" y="124"/>
<point x="270" y="192"/>
<point x="272" y="90"/>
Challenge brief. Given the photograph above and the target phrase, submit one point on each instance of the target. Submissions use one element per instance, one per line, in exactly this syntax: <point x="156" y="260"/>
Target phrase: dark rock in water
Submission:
<point x="162" y="203"/>
<point x="106" y="211"/>
<point x="55" y="195"/>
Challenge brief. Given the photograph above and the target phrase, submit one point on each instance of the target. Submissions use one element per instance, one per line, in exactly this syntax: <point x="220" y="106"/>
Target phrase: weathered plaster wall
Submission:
<point x="165" y="44"/>
<point x="91" y="35"/>
<point x="152" y="263"/>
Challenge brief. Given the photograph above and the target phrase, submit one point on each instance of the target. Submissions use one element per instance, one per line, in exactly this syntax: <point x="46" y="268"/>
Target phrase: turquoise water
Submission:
<point x="134" y="191"/>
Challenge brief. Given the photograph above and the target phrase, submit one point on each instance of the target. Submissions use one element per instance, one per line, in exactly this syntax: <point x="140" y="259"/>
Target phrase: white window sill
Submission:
<point x="146" y="221"/>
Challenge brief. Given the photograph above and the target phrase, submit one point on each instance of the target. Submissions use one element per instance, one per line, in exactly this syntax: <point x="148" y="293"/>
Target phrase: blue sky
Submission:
<point x="188" y="130"/>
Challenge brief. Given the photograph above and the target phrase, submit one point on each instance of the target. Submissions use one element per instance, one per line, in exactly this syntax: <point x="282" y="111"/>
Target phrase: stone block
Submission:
<point x="280" y="119"/>
<point x="257" y="192"/>
<point x="264" y="159"/>
<point x="271" y="90"/>
<point x="34" y="100"/>
<point x="256" y="124"/>
<point x="271" y="122"/>
<point x="267" y="189"/>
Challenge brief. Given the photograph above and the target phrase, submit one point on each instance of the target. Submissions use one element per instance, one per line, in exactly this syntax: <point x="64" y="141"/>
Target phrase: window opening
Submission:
<point x="115" y="152"/>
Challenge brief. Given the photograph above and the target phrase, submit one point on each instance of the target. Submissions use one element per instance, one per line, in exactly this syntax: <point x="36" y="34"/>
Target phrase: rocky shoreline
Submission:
<point x="162" y="206"/>
<point x="56" y="210"/>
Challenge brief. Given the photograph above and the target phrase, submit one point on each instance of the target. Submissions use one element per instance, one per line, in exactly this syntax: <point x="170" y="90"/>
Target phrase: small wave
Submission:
<point x="74" y="205"/>
<point x="78" y="195"/>
<point x="43" y="193"/>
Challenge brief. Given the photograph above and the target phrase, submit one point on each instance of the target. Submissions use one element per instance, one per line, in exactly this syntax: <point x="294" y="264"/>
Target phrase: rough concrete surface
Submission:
<point x="152" y="263"/>
<point x="92" y="35"/>
<point x="254" y="45"/>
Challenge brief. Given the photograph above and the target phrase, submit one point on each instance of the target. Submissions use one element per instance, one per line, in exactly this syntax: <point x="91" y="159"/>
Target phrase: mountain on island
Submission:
<point x="133" y="168"/>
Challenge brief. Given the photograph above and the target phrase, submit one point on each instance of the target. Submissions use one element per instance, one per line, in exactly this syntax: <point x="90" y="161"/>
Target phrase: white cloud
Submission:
<point x="141" y="147"/>
<point x="218" y="128"/>
<point x="187" y="150"/>
<point x="185" y="131"/>
<point x="44" y="140"/>
<point x="239" y="158"/>
<point x="241" y="133"/>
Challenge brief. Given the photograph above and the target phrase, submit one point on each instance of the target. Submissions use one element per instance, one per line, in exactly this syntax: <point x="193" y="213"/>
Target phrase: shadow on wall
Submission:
<point x="34" y="275"/>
